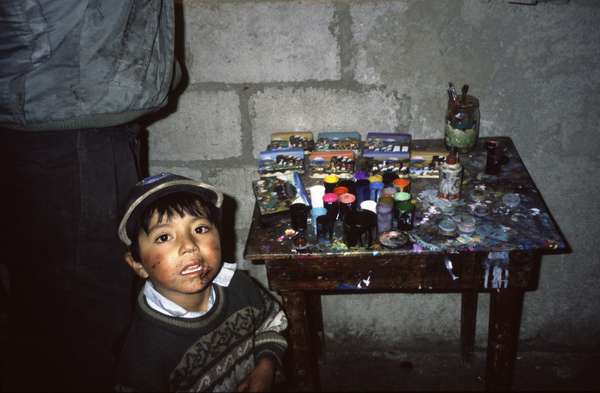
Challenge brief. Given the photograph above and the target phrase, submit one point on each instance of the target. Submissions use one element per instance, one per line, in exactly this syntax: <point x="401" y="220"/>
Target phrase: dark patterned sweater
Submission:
<point x="214" y="352"/>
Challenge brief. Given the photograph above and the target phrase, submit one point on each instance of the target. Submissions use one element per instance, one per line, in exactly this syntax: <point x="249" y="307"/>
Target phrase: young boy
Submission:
<point x="199" y="325"/>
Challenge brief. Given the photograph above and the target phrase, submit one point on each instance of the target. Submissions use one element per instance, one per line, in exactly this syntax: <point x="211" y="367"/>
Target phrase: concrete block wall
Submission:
<point x="257" y="67"/>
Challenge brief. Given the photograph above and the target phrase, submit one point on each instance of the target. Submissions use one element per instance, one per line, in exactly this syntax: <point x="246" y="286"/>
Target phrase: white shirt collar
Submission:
<point x="167" y="307"/>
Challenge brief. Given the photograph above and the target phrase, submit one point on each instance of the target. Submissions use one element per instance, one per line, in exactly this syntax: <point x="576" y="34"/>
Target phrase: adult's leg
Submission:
<point x="70" y="291"/>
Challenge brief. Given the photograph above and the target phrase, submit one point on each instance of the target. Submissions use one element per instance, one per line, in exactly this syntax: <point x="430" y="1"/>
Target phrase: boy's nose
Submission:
<point x="189" y="244"/>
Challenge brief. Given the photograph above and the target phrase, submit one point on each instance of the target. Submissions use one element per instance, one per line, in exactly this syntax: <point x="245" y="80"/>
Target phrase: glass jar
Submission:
<point x="462" y="123"/>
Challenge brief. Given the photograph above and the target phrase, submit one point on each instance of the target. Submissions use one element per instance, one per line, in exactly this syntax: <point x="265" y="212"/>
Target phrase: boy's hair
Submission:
<point x="154" y="194"/>
<point x="181" y="203"/>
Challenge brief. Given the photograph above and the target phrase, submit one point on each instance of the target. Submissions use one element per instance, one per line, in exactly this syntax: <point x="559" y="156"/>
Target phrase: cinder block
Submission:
<point x="321" y="109"/>
<point x="206" y="126"/>
<point x="260" y="42"/>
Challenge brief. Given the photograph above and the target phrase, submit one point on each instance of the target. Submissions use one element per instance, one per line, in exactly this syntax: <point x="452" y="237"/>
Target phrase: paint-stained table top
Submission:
<point x="528" y="227"/>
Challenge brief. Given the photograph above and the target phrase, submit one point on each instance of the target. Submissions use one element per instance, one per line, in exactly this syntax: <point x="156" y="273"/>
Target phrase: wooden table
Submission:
<point x="502" y="257"/>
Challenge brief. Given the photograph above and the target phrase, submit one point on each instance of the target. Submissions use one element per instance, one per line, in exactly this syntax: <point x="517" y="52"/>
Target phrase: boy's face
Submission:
<point x="180" y="255"/>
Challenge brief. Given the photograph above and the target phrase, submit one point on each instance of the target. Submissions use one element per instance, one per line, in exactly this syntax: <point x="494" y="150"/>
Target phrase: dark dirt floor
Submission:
<point x="534" y="371"/>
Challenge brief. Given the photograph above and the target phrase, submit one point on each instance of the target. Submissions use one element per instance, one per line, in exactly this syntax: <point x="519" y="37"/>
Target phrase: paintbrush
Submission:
<point x="464" y="91"/>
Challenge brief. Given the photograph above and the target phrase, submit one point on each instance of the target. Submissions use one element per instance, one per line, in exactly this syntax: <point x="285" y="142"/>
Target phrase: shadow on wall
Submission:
<point x="228" y="235"/>
<point x="177" y="89"/>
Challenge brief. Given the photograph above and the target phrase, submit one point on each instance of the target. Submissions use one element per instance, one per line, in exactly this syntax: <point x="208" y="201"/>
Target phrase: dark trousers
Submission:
<point x="70" y="291"/>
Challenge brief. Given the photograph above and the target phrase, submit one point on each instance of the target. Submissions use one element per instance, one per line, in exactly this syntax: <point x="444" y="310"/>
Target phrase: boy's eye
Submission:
<point x="162" y="238"/>
<point x="201" y="229"/>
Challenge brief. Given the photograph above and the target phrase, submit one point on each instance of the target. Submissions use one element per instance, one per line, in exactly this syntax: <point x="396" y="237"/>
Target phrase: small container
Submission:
<point x="450" y="178"/>
<point x="299" y="216"/>
<point x="330" y="201"/>
<point x="385" y="214"/>
<point x="404" y="210"/>
<point x="339" y="190"/>
<point x="359" y="175"/>
<point x="465" y="223"/>
<point x="363" y="191"/>
<point x="480" y="209"/>
<point x="478" y="195"/>
<point x="330" y="182"/>
<point x="387" y="192"/>
<point x="311" y="231"/>
<point x="495" y="157"/>
<point x="359" y="228"/>
<point x="462" y="123"/>
<point x="374" y="190"/>
<point x="402" y="185"/>
<point x="316" y="212"/>
<point x="316" y="195"/>
<point x="347" y="204"/>
<point x="447" y="227"/>
<point x="369" y="205"/>
<point x="324" y="229"/>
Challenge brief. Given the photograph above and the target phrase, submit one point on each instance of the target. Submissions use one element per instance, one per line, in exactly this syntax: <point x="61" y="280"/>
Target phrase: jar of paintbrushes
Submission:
<point x="462" y="120"/>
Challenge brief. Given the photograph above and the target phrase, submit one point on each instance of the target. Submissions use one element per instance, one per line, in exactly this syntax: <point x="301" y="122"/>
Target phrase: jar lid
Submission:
<point x="447" y="227"/>
<point x="330" y="197"/>
<point x="369" y="205"/>
<point x="465" y="223"/>
<point x="401" y="182"/>
<point x="339" y="190"/>
<point x="331" y="179"/>
<point x="347" y="198"/>
<point x="402" y="196"/>
<point x="376" y="179"/>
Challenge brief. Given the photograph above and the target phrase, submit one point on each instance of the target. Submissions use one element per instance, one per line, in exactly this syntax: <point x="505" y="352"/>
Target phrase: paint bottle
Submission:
<point x="316" y="195"/>
<point x="376" y="179"/>
<point x="402" y="185"/>
<point x="339" y="190"/>
<point x="330" y="182"/>
<point x="387" y="192"/>
<point x="324" y="229"/>
<point x="385" y="213"/>
<point x="347" y="205"/>
<point x="450" y="178"/>
<point x="403" y="209"/>
<point x="374" y="190"/>
<point x="363" y="191"/>
<point x="331" y="204"/>
<point x="315" y="213"/>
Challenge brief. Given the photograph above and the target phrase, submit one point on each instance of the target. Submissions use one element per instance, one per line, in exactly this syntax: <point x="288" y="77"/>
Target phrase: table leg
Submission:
<point x="468" y="323"/>
<point x="506" y="306"/>
<point x="315" y="320"/>
<point x="303" y="367"/>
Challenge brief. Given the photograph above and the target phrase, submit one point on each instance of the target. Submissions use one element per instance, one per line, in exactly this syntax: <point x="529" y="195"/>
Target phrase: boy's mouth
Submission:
<point x="191" y="269"/>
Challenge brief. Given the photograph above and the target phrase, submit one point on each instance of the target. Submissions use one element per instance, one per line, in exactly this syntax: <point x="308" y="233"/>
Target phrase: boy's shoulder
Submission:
<point x="244" y="288"/>
<point x="242" y="280"/>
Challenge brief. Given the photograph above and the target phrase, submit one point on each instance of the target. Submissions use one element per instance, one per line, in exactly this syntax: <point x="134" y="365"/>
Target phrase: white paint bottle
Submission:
<point x="450" y="178"/>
